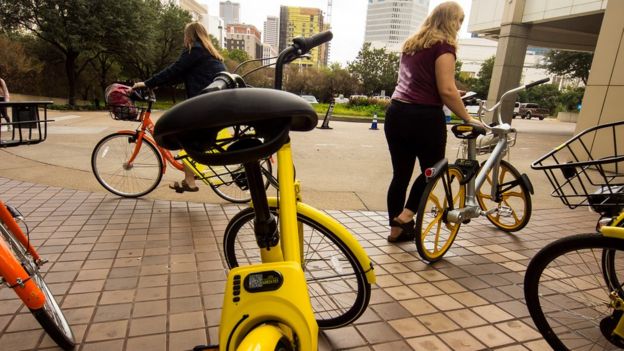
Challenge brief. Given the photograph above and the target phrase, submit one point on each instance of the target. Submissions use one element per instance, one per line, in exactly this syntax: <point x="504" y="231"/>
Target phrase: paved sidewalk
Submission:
<point x="149" y="274"/>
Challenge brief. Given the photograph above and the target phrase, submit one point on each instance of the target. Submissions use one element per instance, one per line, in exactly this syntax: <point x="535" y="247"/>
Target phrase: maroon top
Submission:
<point x="417" y="81"/>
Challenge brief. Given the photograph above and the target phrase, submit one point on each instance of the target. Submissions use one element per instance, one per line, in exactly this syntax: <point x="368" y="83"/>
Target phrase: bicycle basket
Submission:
<point x="588" y="169"/>
<point x="120" y="106"/>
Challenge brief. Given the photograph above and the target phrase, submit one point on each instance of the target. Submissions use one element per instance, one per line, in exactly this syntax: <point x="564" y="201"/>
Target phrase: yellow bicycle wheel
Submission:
<point x="434" y="233"/>
<point x="512" y="200"/>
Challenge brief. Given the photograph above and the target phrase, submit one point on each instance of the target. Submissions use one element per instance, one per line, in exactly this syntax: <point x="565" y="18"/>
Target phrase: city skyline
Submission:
<point x="348" y="20"/>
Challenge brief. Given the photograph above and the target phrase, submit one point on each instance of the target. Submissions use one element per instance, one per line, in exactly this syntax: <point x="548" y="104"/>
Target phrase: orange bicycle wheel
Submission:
<point x="22" y="273"/>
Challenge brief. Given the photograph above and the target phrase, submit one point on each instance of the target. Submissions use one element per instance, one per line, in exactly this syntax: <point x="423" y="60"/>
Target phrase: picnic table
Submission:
<point x="28" y="125"/>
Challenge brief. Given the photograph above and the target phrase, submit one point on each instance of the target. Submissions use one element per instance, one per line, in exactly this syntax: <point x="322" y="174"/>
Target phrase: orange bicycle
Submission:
<point x="128" y="163"/>
<point x="20" y="266"/>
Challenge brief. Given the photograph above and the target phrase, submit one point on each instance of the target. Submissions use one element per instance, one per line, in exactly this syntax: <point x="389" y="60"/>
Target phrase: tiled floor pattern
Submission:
<point x="149" y="275"/>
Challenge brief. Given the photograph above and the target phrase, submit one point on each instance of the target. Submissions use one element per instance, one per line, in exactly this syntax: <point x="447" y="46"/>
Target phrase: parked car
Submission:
<point x="516" y="110"/>
<point x="528" y="110"/>
<point x="340" y="99"/>
<point x="310" y="98"/>
<point x="381" y="97"/>
<point x="472" y="110"/>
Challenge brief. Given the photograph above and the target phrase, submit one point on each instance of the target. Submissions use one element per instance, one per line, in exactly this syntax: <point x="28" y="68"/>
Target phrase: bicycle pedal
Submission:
<point x="206" y="348"/>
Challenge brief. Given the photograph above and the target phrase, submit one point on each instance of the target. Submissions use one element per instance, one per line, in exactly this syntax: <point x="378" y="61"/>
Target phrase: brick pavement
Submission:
<point x="148" y="274"/>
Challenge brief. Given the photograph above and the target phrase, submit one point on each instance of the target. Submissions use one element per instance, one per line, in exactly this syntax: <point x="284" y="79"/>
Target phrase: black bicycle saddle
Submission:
<point x="193" y="124"/>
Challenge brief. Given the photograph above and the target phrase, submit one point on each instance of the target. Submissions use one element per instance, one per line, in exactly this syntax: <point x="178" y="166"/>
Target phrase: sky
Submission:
<point x="348" y="20"/>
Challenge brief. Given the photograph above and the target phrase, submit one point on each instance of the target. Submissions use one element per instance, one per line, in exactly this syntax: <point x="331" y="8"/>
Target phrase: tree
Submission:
<point x="545" y="95"/>
<point x="215" y="42"/>
<point x="570" y="64"/>
<point x="78" y="29"/>
<point x="482" y="84"/>
<point x="15" y="63"/>
<point x="341" y="81"/>
<point x="375" y="69"/>
<point x="155" y="45"/>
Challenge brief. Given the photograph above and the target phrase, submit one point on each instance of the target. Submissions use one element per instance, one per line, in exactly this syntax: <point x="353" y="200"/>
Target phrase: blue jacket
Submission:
<point x="196" y="69"/>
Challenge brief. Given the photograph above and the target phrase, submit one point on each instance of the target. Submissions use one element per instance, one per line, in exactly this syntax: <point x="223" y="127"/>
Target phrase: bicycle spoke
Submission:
<point x="434" y="221"/>
<point x="436" y="242"/>
<point x="567" y="294"/>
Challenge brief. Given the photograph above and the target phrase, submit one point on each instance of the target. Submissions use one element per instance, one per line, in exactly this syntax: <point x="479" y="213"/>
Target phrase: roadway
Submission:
<point x="345" y="168"/>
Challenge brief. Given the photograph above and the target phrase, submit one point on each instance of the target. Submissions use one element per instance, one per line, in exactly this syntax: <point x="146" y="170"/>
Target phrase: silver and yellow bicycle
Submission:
<point x="458" y="192"/>
<point x="293" y="268"/>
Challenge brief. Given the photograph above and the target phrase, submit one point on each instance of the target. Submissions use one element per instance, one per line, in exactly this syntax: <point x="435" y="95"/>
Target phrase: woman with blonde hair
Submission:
<point x="196" y="67"/>
<point x="415" y="125"/>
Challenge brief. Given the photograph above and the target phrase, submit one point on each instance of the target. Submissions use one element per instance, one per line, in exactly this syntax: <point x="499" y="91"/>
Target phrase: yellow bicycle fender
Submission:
<point x="341" y="232"/>
<point x="616" y="230"/>
<point x="262" y="338"/>
<point x="613" y="232"/>
<point x="270" y="293"/>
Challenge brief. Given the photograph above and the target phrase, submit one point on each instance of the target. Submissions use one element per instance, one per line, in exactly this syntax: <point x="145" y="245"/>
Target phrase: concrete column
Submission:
<point x="510" y="53"/>
<point x="604" y="92"/>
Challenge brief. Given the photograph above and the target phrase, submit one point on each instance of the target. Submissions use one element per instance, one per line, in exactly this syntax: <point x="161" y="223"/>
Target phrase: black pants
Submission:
<point x="412" y="131"/>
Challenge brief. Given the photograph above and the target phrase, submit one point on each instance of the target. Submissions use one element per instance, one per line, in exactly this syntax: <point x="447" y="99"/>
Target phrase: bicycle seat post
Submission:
<point x="265" y="224"/>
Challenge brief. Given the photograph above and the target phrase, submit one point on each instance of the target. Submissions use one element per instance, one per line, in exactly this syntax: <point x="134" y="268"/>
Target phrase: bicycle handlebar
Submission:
<point x="143" y="94"/>
<point x="300" y="47"/>
<point x="537" y="82"/>
<point x="307" y="44"/>
<point x="496" y="106"/>
<point x="225" y="80"/>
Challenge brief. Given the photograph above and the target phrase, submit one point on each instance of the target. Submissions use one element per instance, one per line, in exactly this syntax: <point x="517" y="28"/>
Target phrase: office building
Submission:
<point x="230" y="12"/>
<point x="271" y="31"/>
<point x="198" y="11"/>
<point x="244" y="37"/>
<point x="591" y="26"/>
<point x="216" y="28"/>
<point x="389" y="23"/>
<point x="268" y="51"/>
<point x="305" y="22"/>
<point x="473" y="52"/>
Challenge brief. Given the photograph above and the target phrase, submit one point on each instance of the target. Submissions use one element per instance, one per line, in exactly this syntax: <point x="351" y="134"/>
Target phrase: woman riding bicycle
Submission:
<point x="197" y="66"/>
<point x="415" y="123"/>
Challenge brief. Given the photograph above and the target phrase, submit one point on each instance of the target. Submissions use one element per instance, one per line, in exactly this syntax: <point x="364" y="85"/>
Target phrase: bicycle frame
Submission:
<point x="280" y="277"/>
<point x="501" y="131"/>
<point x="11" y="270"/>
<point x="142" y="133"/>
<point x="290" y="204"/>
<point x="472" y="208"/>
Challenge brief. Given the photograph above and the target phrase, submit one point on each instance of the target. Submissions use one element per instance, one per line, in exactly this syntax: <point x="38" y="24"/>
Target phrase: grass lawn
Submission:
<point x="364" y="112"/>
<point x="353" y="111"/>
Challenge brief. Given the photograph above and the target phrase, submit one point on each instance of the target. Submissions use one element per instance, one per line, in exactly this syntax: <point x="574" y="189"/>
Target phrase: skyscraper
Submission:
<point x="389" y="23"/>
<point x="303" y="22"/>
<point x="271" y="31"/>
<point x="230" y="12"/>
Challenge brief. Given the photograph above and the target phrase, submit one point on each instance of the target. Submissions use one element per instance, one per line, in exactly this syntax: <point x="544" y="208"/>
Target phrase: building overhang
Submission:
<point x="575" y="33"/>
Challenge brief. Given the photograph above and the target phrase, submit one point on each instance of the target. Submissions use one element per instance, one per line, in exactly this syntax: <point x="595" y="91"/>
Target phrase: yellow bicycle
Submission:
<point x="296" y="252"/>
<point x="574" y="286"/>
